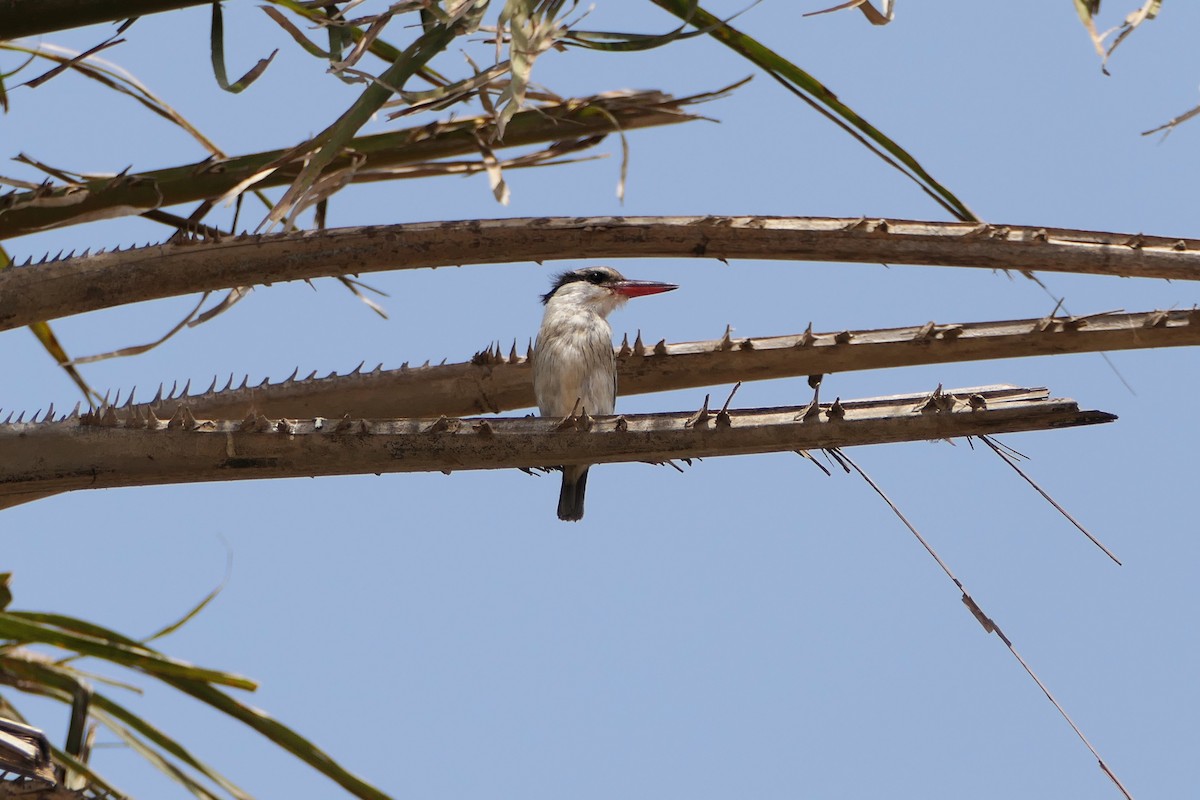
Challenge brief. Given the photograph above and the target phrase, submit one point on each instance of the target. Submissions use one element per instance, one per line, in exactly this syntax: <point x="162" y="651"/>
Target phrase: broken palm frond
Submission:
<point x="117" y="79"/>
<point x="989" y="625"/>
<point x="621" y="42"/>
<point x="319" y="153"/>
<point x="873" y="14"/>
<point x="137" y="350"/>
<point x="1170" y="124"/>
<point x="551" y="156"/>
<point x="51" y="206"/>
<point x="60" y="286"/>
<point x="1087" y="10"/>
<point x="494" y="381"/>
<point x="298" y="36"/>
<point x="341" y="62"/>
<point x="343" y="33"/>
<point x="191" y="227"/>
<point x="231" y="298"/>
<point x="1010" y="456"/>
<point x="71" y="179"/>
<point x="187" y="226"/>
<point x="821" y="99"/>
<point x="532" y="28"/>
<point x="107" y="449"/>
<point x="24" y="751"/>
<point x="445" y="96"/>
<point x="34" y="672"/>
<point x="217" y="48"/>
<point x="66" y="64"/>
<point x="324" y="186"/>
<point x="495" y="174"/>
<point x="79" y="777"/>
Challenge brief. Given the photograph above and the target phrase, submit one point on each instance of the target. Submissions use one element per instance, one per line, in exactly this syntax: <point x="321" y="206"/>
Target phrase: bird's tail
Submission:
<point x="570" y="497"/>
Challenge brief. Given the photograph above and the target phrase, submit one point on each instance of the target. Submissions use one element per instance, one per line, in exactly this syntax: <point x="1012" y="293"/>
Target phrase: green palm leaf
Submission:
<point x="87" y="638"/>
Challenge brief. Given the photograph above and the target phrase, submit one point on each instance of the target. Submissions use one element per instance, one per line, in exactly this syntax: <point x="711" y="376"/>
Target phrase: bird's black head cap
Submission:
<point x="599" y="276"/>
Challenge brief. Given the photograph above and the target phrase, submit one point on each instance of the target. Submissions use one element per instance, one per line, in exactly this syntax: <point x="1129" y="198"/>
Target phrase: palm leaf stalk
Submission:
<point x="51" y="206"/>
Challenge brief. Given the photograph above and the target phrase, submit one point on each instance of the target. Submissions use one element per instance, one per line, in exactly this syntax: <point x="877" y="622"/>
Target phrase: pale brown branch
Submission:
<point x="87" y="283"/>
<point x="107" y="449"/>
<point x="496" y="381"/>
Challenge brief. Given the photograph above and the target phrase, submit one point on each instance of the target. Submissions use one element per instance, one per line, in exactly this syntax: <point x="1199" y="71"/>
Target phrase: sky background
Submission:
<point x="747" y="628"/>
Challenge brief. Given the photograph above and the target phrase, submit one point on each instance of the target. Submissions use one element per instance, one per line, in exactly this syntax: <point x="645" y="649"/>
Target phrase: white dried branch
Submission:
<point x="86" y="283"/>
<point x="495" y="381"/>
<point x="106" y="449"/>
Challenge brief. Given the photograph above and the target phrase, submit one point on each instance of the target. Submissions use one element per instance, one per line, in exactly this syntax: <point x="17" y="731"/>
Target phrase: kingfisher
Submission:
<point x="574" y="368"/>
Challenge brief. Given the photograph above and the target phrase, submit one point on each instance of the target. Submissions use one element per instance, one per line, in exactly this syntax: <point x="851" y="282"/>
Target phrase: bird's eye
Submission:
<point x="596" y="277"/>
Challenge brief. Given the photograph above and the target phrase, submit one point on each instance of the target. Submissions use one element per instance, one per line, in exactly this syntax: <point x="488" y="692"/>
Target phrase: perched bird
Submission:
<point x="573" y="365"/>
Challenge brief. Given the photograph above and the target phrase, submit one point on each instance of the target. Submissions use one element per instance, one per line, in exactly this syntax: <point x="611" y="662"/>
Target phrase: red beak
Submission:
<point x="641" y="288"/>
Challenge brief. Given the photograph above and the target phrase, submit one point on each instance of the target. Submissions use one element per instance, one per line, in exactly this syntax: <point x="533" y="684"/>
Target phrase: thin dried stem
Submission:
<point x="987" y="622"/>
<point x="1008" y="459"/>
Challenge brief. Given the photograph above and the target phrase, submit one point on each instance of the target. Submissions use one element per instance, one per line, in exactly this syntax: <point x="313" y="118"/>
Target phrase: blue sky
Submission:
<point x="750" y="627"/>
